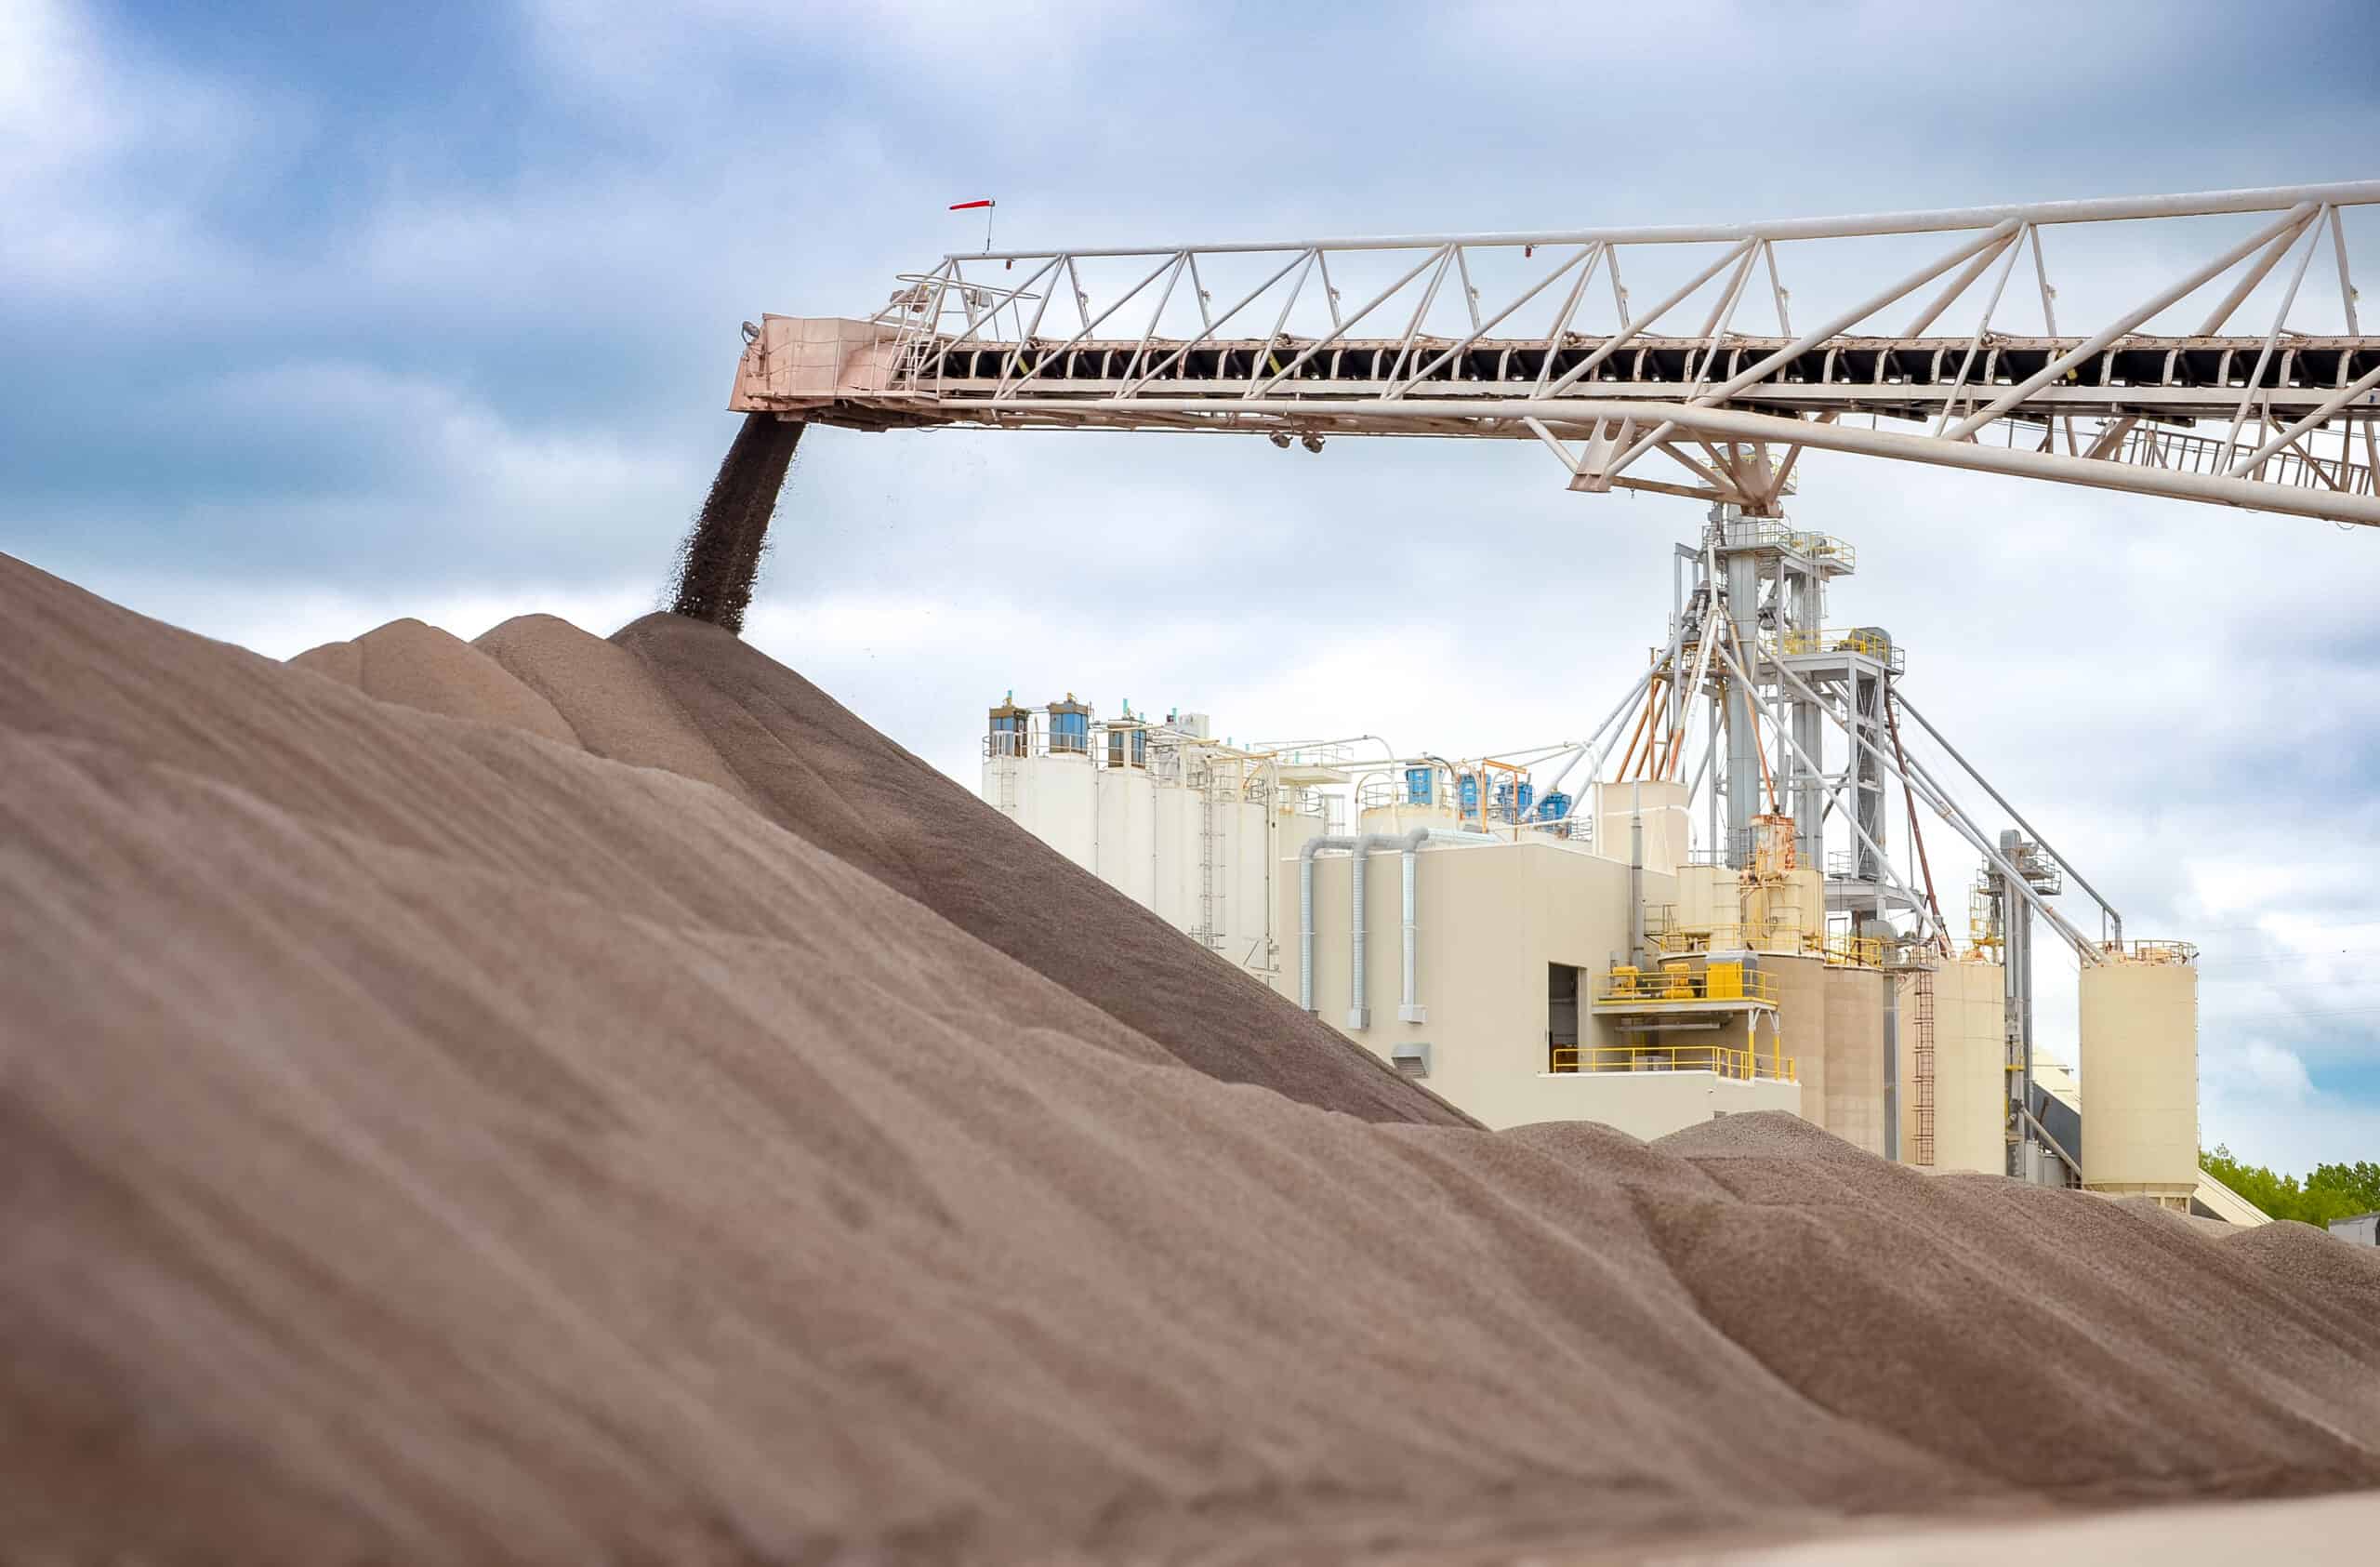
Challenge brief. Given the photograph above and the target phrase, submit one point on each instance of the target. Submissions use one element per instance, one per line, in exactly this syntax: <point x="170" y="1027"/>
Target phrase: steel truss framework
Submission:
<point x="1481" y="336"/>
<point x="1750" y="669"/>
<point x="1736" y="703"/>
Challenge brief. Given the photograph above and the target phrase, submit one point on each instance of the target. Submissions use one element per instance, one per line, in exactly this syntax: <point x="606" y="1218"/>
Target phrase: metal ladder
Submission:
<point x="1210" y="897"/>
<point x="1921" y="1072"/>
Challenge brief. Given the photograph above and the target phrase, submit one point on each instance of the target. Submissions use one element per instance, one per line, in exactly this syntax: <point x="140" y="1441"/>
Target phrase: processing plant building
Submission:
<point x="1730" y="897"/>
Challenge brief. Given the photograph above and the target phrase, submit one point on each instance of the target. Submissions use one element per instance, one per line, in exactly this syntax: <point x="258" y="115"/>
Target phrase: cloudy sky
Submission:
<point x="430" y="309"/>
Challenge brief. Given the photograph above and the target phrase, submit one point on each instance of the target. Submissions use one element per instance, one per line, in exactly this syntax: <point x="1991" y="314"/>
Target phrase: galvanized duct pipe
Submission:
<point x="1636" y="872"/>
<point x="1410" y="844"/>
<point x="1408" y="1005"/>
<point x="1359" y="1016"/>
<point x="1410" y="1009"/>
<point x="1306" y="852"/>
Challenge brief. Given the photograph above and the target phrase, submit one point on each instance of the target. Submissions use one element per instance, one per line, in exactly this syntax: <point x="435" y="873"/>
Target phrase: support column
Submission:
<point x="1742" y="569"/>
<point x="2017" y="955"/>
<point x="1806" y="604"/>
<point x="1868" y="772"/>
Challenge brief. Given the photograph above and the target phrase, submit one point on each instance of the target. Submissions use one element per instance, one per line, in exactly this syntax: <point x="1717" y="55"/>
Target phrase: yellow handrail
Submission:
<point x="1637" y="987"/>
<point x="1864" y="639"/>
<point x="1724" y="1060"/>
<point x="1855" y="952"/>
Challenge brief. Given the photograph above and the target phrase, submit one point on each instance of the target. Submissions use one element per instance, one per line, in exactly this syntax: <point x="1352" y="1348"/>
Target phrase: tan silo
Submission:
<point x="2140" y="1066"/>
<point x="1801" y="1024"/>
<point x="1852" y="1079"/>
<point x="1810" y="904"/>
<point x="1954" y="1107"/>
<point x="1707" y="898"/>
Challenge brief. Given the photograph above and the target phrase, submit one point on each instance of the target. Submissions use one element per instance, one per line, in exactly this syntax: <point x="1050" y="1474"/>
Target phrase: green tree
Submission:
<point x="2332" y="1191"/>
<point x="2356" y="1186"/>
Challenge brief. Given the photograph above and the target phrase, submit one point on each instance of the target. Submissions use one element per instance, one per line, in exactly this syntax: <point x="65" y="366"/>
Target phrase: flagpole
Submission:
<point x="988" y="205"/>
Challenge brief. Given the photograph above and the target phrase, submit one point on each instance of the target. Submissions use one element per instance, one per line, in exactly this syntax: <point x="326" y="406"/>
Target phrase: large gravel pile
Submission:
<point x="422" y="1139"/>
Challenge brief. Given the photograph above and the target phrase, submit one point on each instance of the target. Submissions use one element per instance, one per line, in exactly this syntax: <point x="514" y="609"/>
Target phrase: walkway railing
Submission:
<point x="1719" y="982"/>
<point x="1744" y="1066"/>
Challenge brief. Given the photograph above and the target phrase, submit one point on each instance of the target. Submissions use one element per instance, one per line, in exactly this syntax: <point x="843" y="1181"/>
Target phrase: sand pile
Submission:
<point x="423" y="667"/>
<point x="670" y="693"/>
<point x="424" y="1140"/>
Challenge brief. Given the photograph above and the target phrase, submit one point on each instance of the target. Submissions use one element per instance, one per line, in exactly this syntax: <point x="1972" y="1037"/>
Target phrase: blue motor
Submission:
<point x="1070" y="725"/>
<point x="1009" y="730"/>
<point x="1420" y="785"/>
<point x="1554" y="809"/>
<point x="1469" y="794"/>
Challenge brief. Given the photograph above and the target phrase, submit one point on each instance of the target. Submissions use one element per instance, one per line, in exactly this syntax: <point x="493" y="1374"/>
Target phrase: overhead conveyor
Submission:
<point x="2237" y="370"/>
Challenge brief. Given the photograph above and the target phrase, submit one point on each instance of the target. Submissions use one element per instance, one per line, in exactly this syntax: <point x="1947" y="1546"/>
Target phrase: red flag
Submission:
<point x="963" y="205"/>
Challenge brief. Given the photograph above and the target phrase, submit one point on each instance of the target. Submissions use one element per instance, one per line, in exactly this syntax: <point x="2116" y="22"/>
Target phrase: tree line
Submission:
<point x="2332" y="1191"/>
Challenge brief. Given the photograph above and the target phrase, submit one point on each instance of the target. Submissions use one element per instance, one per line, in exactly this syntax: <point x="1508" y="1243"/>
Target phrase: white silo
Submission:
<point x="2139" y="1045"/>
<point x="1246" y="919"/>
<point x="1126" y="798"/>
<point x="1060" y="797"/>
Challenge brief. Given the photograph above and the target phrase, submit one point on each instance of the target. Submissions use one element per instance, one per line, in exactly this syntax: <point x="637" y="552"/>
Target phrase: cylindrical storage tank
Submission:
<point x="1398" y="819"/>
<point x="1801" y="1026"/>
<point x="1707" y="898"/>
<point x="1853" y="1082"/>
<point x="2139" y="1064"/>
<point x="1127" y="837"/>
<point x="1062" y="805"/>
<point x="1176" y="816"/>
<point x="1970" y="1073"/>
<point x="1249" y="918"/>
<point x="1070" y="727"/>
<point x="1767" y="907"/>
<point x="1661" y="806"/>
<point x="1809" y="902"/>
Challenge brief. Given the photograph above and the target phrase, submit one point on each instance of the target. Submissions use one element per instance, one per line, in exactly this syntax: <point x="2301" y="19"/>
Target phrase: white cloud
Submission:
<point x="2277" y="1123"/>
<point x="460" y="398"/>
<point x="2264" y="1072"/>
<point x="279" y="622"/>
<point x="105" y="159"/>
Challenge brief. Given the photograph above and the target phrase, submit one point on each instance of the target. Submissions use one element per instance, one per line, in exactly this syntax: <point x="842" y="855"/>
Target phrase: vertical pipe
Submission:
<point x="2025" y="1023"/>
<point x="1716" y="844"/>
<point x="2011" y="981"/>
<point x="1410" y="1010"/>
<point x="1305" y="930"/>
<point x="1636" y="872"/>
<point x="1306" y="851"/>
<point x="1358" y="1015"/>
